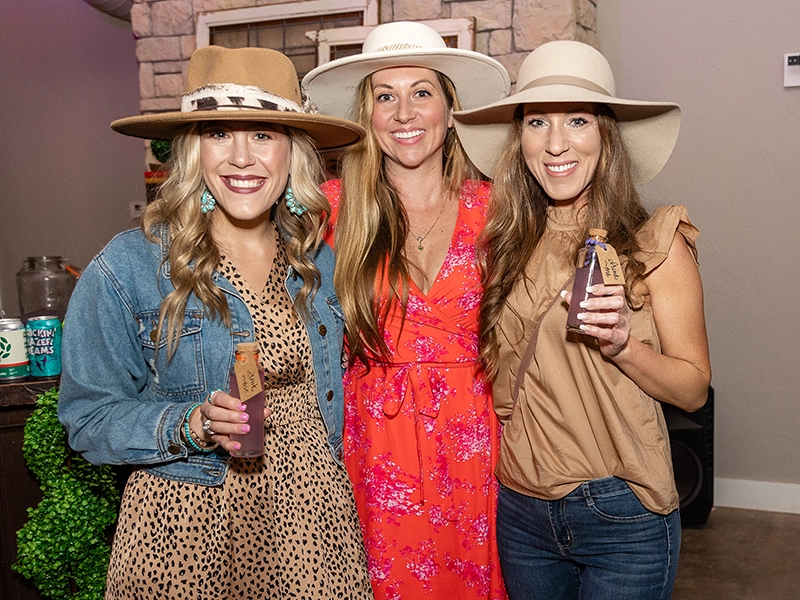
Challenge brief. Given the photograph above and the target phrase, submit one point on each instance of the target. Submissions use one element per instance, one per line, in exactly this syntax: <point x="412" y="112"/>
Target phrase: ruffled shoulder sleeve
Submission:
<point x="333" y="192"/>
<point x="656" y="235"/>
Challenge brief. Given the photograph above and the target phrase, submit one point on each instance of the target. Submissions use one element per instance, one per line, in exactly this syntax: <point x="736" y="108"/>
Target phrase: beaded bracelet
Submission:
<point x="188" y="434"/>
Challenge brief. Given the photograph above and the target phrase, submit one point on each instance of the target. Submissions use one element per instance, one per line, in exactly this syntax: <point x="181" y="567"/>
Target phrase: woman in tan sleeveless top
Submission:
<point x="588" y="506"/>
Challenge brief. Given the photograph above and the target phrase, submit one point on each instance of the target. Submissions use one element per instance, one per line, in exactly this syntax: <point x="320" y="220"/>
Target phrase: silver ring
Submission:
<point x="207" y="427"/>
<point x="210" y="398"/>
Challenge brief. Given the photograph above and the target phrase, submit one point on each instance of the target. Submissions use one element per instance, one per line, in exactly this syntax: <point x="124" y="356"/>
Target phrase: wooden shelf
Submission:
<point x="19" y="489"/>
<point x="23" y="392"/>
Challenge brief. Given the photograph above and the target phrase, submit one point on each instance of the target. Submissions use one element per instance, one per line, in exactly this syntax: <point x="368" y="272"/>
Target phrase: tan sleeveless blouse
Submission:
<point x="577" y="416"/>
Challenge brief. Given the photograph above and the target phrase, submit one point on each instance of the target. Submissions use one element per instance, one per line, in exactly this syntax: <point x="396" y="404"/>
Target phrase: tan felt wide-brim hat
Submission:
<point x="569" y="71"/>
<point x="478" y="79"/>
<point x="242" y="84"/>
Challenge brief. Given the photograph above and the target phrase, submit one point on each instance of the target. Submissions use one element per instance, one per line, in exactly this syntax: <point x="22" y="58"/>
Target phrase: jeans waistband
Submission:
<point x="607" y="486"/>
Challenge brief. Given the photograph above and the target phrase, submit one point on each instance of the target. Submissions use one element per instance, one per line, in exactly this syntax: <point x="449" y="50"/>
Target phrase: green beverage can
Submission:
<point x="14" y="363"/>
<point x="44" y="346"/>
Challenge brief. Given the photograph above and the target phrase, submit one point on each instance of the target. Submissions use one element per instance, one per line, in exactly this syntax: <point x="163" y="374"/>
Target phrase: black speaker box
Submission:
<point x="691" y="437"/>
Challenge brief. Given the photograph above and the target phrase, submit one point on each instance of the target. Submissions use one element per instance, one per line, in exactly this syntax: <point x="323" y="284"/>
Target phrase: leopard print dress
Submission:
<point x="283" y="525"/>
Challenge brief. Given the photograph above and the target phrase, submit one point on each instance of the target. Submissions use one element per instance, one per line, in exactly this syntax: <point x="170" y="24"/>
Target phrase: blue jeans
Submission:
<point x="596" y="543"/>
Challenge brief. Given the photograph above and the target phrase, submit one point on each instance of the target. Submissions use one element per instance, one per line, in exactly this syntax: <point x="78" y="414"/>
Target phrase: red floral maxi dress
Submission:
<point x="421" y="439"/>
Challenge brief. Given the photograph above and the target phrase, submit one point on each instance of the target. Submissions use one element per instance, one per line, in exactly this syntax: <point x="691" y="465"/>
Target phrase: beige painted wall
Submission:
<point x="67" y="71"/>
<point x="737" y="167"/>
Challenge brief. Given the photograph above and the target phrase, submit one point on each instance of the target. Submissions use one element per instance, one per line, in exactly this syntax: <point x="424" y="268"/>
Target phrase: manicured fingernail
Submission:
<point x="242" y="407"/>
<point x="237" y="446"/>
<point x="244" y="428"/>
<point x="244" y="417"/>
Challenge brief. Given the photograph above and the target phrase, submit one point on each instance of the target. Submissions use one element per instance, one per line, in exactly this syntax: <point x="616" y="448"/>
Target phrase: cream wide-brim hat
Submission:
<point x="242" y="84"/>
<point x="478" y="79"/>
<point x="569" y="71"/>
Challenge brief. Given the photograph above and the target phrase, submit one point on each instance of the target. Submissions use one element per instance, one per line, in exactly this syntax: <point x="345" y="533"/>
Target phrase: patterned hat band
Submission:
<point x="399" y="46"/>
<point x="235" y="97"/>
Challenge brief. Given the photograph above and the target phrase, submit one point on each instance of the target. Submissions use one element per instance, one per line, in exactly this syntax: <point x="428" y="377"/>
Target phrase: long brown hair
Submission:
<point x="193" y="255"/>
<point x="372" y="228"/>
<point x="518" y="216"/>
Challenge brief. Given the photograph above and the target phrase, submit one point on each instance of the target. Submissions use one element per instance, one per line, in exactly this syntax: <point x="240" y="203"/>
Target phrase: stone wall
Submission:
<point x="505" y="29"/>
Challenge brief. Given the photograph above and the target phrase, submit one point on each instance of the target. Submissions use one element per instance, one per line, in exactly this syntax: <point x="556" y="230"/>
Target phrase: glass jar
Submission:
<point x="44" y="285"/>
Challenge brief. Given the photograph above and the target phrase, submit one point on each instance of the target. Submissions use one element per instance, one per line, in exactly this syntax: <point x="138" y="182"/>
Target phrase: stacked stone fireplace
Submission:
<point x="504" y="29"/>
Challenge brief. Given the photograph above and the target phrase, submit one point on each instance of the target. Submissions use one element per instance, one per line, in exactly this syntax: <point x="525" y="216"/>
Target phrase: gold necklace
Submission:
<point x="421" y="238"/>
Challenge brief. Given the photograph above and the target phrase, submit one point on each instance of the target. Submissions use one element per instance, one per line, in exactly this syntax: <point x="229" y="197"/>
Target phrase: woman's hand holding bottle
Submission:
<point x="219" y="417"/>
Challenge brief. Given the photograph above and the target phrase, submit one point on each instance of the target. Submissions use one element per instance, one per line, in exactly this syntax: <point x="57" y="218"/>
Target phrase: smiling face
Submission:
<point x="561" y="144"/>
<point x="410" y="117"/>
<point x="245" y="166"/>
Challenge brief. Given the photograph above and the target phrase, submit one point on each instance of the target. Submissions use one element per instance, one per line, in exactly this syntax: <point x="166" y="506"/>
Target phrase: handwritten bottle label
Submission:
<point x="247" y="376"/>
<point x="610" y="266"/>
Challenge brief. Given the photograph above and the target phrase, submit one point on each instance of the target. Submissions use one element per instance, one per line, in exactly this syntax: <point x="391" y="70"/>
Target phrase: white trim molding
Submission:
<point x="205" y="21"/>
<point x="757" y="495"/>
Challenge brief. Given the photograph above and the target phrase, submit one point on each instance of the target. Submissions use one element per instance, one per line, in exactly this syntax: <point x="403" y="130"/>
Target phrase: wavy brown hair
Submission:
<point x="372" y="228"/>
<point x="193" y="255"/>
<point x="518" y="216"/>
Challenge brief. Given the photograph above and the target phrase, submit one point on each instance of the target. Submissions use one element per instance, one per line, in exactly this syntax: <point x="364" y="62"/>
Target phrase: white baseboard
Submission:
<point x="757" y="495"/>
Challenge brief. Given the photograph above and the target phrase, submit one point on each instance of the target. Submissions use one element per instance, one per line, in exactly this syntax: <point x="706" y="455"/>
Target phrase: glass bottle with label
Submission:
<point x="247" y="384"/>
<point x="587" y="274"/>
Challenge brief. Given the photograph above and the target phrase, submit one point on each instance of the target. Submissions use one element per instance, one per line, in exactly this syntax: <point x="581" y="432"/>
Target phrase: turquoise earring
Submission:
<point x="207" y="201"/>
<point x="295" y="207"/>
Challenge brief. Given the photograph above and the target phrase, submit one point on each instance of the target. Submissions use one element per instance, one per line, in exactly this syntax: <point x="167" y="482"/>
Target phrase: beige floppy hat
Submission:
<point x="569" y="71"/>
<point x="242" y="84"/>
<point x="478" y="78"/>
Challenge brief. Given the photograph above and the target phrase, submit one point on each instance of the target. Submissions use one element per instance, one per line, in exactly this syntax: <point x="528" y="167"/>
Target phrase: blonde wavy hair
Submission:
<point x="193" y="255"/>
<point x="518" y="216"/>
<point x="372" y="228"/>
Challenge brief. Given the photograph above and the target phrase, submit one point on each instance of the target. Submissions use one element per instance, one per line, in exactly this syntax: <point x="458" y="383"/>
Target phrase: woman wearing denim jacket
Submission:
<point x="230" y="252"/>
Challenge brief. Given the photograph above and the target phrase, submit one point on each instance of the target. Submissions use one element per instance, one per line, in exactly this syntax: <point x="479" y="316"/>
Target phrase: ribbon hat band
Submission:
<point x="566" y="80"/>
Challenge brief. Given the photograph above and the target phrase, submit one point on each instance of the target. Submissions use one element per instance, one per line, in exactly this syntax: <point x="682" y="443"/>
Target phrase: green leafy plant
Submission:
<point x="161" y="149"/>
<point x="63" y="547"/>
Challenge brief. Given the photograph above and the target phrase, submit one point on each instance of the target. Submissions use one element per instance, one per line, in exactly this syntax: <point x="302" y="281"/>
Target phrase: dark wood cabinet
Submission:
<point x="19" y="489"/>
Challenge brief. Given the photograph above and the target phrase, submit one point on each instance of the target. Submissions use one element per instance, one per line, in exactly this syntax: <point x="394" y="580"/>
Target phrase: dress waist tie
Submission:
<point x="423" y="387"/>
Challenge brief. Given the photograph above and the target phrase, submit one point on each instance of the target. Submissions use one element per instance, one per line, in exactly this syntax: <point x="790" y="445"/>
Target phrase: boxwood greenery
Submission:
<point x="64" y="547"/>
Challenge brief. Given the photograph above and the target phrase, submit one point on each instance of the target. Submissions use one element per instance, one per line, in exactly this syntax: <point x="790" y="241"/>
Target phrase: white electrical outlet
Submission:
<point x="136" y="209"/>
<point x="791" y="70"/>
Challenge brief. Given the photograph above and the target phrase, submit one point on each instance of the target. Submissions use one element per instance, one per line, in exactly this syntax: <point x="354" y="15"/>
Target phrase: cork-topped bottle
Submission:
<point x="247" y="384"/>
<point x="587" y="274"/>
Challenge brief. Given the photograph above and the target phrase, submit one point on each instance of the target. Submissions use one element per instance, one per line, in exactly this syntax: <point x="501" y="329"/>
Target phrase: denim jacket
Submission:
<point x="122" y="405"/>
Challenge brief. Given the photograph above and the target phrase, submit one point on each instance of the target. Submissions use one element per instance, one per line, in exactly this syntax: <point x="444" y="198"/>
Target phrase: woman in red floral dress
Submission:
<point x="421" y="438"/>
